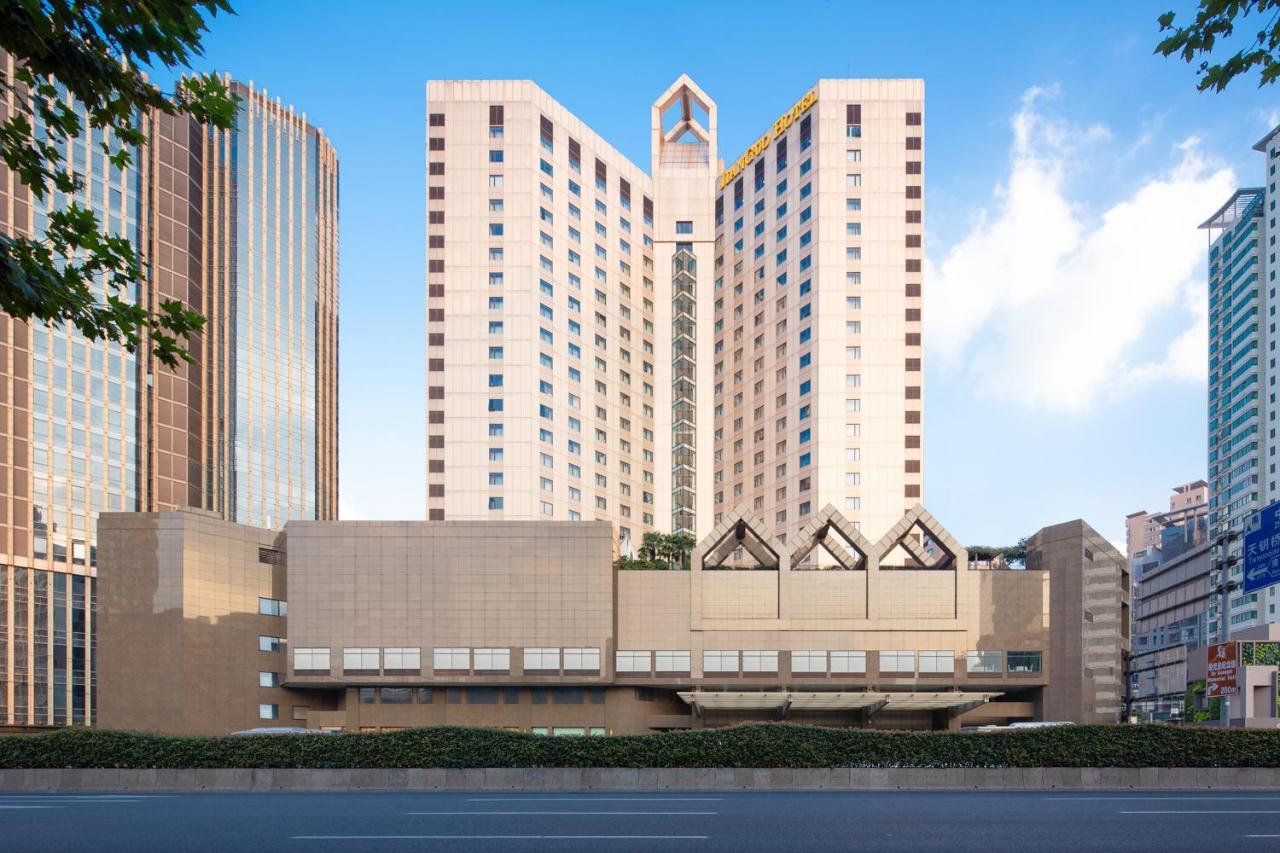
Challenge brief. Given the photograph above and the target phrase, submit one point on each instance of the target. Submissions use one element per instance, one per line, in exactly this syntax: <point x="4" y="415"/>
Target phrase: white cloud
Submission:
<point x="1269" y="118"/>
<point x="347" y="511"/>
<point x="1048" y="305"/>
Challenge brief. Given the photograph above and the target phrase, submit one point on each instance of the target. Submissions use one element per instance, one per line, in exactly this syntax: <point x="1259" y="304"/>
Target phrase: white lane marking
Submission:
<point x="1225" y="796"/>
<point x="519" y="799"/>
<point x="1262" y="836"/>
<point x="65" y="799"/>
<point x="83" y="797"/>
<point x="561" y="813"/>
<point x="31" y="807"/>
<point x="1216" y="811"/>
<point x="501" y="837"/>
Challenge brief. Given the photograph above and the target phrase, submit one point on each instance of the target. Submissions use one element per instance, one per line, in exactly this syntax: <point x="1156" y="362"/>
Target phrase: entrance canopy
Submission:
<point x="957" y="702"/>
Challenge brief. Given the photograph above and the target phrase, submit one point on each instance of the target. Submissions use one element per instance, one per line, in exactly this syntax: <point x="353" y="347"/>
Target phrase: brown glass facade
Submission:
<point x="87" y="427"/>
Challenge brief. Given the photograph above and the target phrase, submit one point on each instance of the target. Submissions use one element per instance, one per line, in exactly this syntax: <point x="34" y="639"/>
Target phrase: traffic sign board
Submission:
<point x="1220" y="674"/>
<point x="1262" y="548"/>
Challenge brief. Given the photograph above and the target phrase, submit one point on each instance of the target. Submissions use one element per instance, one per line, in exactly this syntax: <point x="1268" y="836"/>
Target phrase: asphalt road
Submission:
<point x="984" y="822"/>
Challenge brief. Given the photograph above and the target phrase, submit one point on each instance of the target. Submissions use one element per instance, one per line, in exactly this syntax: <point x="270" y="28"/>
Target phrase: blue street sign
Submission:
<point x="1262" y="548"/>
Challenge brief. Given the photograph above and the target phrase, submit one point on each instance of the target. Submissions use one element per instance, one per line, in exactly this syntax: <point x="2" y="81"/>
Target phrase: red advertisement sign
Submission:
<point x="1224" y="660"/>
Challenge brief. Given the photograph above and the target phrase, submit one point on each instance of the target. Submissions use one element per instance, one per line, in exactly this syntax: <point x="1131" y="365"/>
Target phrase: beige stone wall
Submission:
<point x="452" y="584"/>
<point x="1089" y="627"/>
<point x="180" y="623"/>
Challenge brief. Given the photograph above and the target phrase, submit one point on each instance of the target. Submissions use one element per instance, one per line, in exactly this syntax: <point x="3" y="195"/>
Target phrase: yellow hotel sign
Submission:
<point x="779" y="127"/>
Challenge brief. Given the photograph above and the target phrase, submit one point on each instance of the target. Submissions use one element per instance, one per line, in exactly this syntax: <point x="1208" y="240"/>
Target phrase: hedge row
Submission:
<point x="761" y="745"/>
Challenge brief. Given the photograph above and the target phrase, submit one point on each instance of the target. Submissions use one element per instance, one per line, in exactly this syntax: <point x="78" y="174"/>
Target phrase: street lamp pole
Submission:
<point x="1222" y="564"/>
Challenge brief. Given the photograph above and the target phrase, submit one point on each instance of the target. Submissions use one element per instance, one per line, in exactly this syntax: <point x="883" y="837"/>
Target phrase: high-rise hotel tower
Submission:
<point x="656" y="349"/>
<point x="240" y="225"/>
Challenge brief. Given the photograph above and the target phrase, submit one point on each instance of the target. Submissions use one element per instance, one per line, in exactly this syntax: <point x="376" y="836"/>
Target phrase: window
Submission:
<point x="268" y="712"/>
<point x="310" y="660"/>
<point x="671" y="661"/>
<point x="983" y="661"/>
<point x="850" y="663"/>
<point x="272" y="607"/>
<point x="633" y="662"/>
<point x="719" y="661"/>
<point x="897" y="662"/>
<point x="395" y="695"/>
<point x="684" y="227"/>
<point x="493" y="660"/>
<point x="809" y="662"/>
<point x="759" y="661"/>
<point x="937" y="662"/>
<point x="270" y="644"/>
<point x="451" y="659"/>
<point x="1024" y="661"/>
<point x="495" y="503"/>
<point x="406" y="659"/>
<point x="545" y="660"/>
<point x="268" y="679"/>
<point x="360" y="659"/>
<point x="582" y="660"/>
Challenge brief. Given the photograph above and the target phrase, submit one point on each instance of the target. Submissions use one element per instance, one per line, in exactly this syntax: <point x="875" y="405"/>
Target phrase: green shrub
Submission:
<point x="760" y="745"/>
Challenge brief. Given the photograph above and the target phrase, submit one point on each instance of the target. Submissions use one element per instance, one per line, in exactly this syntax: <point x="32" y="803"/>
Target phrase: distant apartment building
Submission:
<point x="240" y="225"/>
<point x="1171" y="602"/>
<point x="1242" y="376"/>
<point x="657" y="348"/>
<point x="1144" y="530"/>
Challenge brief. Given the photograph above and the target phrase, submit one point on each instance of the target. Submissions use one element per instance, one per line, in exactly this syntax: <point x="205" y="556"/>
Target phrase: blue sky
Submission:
<point x="1066" y="168"/>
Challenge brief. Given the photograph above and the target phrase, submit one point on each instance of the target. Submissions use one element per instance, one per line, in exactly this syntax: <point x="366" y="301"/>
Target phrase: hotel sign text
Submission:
<point x="779" y="127"/>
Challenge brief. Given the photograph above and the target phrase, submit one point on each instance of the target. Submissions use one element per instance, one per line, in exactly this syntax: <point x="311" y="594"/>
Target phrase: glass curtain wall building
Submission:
<point x="273" y="193"/>
<point x="87" y="427"/>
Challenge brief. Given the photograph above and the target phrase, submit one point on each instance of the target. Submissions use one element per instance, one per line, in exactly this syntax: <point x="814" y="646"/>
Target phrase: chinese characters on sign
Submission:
<point x="1262" y="549"/>
<point x="1220" y="677"/>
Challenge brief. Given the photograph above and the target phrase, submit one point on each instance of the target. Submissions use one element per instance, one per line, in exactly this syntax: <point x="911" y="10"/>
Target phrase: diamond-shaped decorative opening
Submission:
<point x="917" y="547"/>
<point x="684" y="116"/>
<point x="740" y="547"/>
<point x="829" y="542"/>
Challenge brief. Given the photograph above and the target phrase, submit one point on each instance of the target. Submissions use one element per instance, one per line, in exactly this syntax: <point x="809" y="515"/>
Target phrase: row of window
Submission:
<point x="498" y="660"/>
<point x="839" y="662"/>
<point x="406" y="659"/>
<point x="480" y="695"/>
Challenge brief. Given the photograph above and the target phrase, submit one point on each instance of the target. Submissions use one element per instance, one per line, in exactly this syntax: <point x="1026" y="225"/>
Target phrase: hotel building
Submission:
<point x="209" y="627"/>
<point x="240" y="225"/>
<point x="655" y="349"/>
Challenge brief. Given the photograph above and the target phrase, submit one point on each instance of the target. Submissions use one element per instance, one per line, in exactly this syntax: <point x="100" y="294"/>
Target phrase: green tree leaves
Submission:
<point x="1216" y="20"/>
<point x="91" y="54"/>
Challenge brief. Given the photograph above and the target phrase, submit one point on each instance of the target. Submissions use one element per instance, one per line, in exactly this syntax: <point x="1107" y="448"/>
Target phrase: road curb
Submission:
<point x="645" y="779"/>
